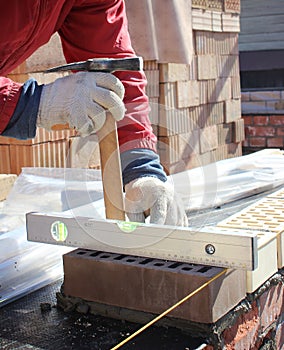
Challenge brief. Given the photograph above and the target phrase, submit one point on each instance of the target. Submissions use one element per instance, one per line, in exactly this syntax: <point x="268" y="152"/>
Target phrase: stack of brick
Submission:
<point x="195" y="108"/>
<point x="45" y="150"/>
<point x="200" y="104"/>
<point x="151" y="69"/>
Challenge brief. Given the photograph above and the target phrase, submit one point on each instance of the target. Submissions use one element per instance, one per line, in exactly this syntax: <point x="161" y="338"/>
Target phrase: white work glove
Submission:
<point x="81" y="100"/>
<point x="150" y="196"/>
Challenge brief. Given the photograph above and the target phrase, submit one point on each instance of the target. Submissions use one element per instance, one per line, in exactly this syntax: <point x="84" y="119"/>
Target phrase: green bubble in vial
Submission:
<point x="127" y="226"/>
<point x="59" y="231"/>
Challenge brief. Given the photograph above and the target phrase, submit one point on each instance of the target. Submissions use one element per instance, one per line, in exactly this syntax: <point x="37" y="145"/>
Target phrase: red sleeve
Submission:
<point x="99" y="29"/>
<point x="10" y="92"/>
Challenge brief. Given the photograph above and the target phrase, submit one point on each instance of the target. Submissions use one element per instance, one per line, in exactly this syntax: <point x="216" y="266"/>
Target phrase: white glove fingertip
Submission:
<point x="109" y="101"/>
<point x="110" y="82"/>
<point x="118" y="112"/>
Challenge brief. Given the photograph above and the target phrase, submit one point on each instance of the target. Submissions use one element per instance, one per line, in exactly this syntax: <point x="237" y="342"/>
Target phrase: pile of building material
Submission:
<point x="194" y="96"/>
<point x="45" y="150"/>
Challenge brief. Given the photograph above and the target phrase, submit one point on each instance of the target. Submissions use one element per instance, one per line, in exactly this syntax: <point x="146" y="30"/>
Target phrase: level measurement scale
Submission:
<point x="214" y="246"/>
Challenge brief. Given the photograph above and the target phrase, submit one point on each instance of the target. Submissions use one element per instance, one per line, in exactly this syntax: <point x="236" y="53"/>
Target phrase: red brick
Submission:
<point x="260" y="131"/>
<point x="271" y="305"/>
<point x="279" y="336"/>
<point x="275" y="142"/>
<point x="260" y="120"/>
<point x="247" y="119"/>
<point x="244" y="333"/>
<point x="280" y="131"/>
<point x="276" y="120"/>
<point x="257" y="141"/>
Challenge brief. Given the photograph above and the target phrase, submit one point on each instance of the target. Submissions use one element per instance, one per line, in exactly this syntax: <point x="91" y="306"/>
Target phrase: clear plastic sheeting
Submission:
<point x="228" y="180"/>
<point x="26" y="266"/>
<point x="50" y="190"/>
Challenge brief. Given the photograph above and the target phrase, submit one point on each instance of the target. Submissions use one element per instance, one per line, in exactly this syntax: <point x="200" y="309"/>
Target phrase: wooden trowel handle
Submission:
<point x="111" y="170"/>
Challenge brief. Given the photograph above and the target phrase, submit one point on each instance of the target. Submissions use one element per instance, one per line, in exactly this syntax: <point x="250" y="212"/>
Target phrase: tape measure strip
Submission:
<point x="168" y="310"/>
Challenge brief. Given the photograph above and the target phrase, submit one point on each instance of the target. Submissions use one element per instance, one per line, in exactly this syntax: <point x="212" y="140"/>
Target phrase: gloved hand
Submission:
<point x="81" y="100"/>
<point x="151" y="196"/>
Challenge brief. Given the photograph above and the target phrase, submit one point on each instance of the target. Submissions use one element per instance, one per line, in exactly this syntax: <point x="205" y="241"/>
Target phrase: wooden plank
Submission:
<point x="111" y="169"/>
<point x="209" y="245"/>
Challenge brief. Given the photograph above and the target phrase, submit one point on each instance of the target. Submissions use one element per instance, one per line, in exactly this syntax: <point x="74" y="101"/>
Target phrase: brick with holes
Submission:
<point x="151" y="285"/>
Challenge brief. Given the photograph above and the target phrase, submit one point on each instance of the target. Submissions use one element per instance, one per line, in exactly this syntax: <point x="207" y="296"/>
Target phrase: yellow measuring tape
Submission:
<point x="169" y="310"/>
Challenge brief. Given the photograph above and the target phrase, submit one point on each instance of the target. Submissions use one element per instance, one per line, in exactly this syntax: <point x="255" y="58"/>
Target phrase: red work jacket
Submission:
<point x="88" y="29"/>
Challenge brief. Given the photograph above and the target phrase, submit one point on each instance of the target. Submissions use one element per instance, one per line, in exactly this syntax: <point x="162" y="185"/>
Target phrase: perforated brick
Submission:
<point x="265" y="216"/>
<point x="151" y="285"/>
<point x="232" y="6"/>
<point x="199" y="4"/>
<point x="215" y="4"/>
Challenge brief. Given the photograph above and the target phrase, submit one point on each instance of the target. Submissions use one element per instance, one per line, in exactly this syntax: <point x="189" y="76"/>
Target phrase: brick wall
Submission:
<point x="263" y="115"/>
<point x="257" y="323"/>
<point x="263" y="131"/>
